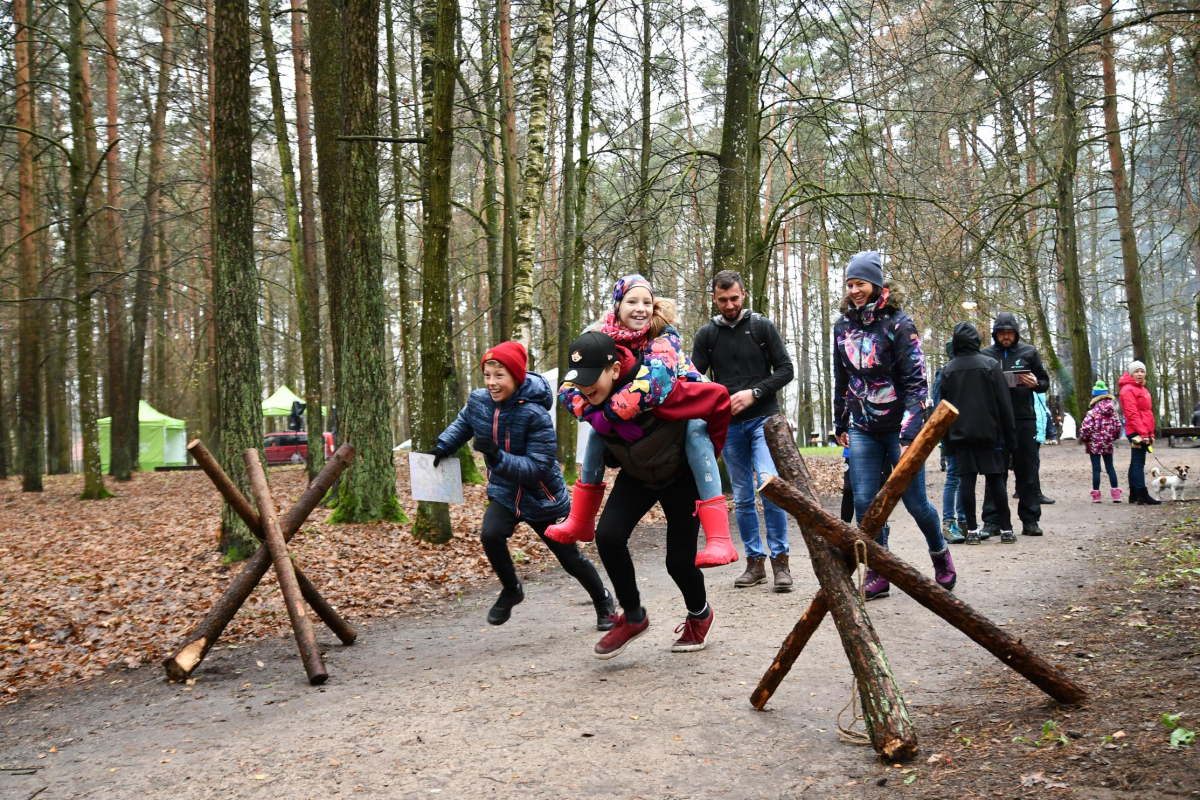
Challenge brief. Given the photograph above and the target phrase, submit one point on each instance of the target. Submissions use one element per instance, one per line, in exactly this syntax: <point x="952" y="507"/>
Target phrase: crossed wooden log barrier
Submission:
<point x="832" y="545"/>
<point x="275" y="532"/>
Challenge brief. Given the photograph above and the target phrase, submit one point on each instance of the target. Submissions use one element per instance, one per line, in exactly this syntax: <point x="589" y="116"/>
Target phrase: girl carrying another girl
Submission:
<point x="653" y="469"/>
<point x="646" y="327"/>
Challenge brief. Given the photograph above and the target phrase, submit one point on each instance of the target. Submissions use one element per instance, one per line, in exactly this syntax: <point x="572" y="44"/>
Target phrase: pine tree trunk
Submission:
<point x="125" y="429"/>
<point x="367" y="491"/>
<point x="1066" y="243"/>
<point x="93" y="480"/>
<point x="235" y="277"/>
<point x="410" y="367"/>
<point x="314" y="394"/>
<point x="531" y="181"/>
<point x="508" y="151"/>
<point x="310" y="328"/>
<point x="58" y="433"/>
<point x="433" y="519"/>
<point x="729" y="240"/>
<point x="1124" y="200"/>
<point x="30" y="446"/>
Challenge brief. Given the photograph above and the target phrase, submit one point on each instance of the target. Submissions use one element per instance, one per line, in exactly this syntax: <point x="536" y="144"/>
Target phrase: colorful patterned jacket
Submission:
<point x="879" y="370"/>
<point x="1101" y="427"/>
<point x="663" y="364"/>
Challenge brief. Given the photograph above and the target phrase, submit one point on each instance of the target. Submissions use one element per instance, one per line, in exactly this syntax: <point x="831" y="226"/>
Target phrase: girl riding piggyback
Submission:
<point x="668" y="386"/>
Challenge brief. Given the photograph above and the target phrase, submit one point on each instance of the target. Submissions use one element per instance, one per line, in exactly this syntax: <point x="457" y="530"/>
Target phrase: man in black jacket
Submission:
<point x="748" y="357"/>
<point x="1027" y="375"/>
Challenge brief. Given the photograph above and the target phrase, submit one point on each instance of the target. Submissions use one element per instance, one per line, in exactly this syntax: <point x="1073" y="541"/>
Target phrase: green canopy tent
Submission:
<point x="162" y="440"/>
<point x="280" y="403"/>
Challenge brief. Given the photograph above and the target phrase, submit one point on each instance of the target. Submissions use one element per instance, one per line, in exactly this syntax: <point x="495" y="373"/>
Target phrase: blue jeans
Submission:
<point x="1108" y="467"/>
<point x="748" y="459"/>
<point x="700" y="455"/>
<point x="952" y="507"/>
<point x="1137" y="468"/>
<point x="868" y="452"/>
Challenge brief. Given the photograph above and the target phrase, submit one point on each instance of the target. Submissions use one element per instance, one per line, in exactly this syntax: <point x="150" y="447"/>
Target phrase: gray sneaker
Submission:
<point x="973" y="536"/>
<point x="1008" y="537"/>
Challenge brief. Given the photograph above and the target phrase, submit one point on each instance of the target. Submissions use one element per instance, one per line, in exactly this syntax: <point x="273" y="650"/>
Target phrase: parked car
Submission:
<point x="291" y="447"/>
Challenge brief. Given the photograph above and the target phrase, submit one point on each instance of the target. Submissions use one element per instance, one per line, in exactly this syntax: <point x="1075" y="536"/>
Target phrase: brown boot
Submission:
<point x="756" y="573"/>
<point x="783" y="578"/>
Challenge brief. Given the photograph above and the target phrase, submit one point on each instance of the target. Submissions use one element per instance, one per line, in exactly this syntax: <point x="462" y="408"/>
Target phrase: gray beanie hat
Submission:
<point x="866" y="266"/>
<point x="1135" y="365"/>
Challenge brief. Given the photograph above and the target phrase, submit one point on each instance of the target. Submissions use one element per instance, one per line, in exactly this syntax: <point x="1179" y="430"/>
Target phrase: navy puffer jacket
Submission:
<point x="524" y="477"/>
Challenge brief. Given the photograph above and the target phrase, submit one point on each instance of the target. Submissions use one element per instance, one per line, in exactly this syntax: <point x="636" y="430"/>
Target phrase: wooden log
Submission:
<point x="197" y="644"/>
<point x="912" y="462"/>
<point x="927" y="592"/>
<point x="241" y="506"/>
<point x="883" y="708"/>
<point x="873" y="521"/>
<point x="285" y="573"/>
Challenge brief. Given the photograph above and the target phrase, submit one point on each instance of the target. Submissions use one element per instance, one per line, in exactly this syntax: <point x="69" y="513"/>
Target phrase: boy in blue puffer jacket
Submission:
<point x="510" y="422"/>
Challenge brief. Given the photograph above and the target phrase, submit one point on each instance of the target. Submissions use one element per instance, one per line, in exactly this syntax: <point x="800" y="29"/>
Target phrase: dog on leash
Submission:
<point x="1175" y="480"/>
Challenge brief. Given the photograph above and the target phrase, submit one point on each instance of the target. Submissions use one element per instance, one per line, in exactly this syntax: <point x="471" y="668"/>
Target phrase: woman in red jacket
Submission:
<point x="1139" y="429"/>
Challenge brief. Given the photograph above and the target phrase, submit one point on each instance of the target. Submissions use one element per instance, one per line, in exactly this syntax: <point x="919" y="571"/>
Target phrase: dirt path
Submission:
<point x="446" y="705"/>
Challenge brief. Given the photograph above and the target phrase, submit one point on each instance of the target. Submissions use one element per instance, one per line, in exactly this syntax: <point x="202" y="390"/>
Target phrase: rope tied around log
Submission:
<point x="846" y="733"/>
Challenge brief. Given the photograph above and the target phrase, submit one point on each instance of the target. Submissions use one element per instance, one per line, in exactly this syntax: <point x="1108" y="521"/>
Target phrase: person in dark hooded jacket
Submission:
<point x="1029" y="377"/>
<point x="509" y="423"/>
<point x="984" y="430"/>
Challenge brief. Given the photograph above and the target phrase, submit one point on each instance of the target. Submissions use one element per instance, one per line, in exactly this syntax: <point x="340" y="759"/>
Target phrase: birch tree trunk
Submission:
<point x="235" y="278"/>
<point x="367" y="491"/>
<point x="644" y="262"/>
<point x="30" y="445"/>
<point x="1124" y="200"/>
<point x="433" y="519"/>
<point x="535" y="159"/>
<point x="568" y="326"/>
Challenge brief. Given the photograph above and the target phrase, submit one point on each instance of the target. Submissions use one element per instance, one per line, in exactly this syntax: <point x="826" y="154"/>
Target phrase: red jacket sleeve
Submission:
<point x="705" y="400"/>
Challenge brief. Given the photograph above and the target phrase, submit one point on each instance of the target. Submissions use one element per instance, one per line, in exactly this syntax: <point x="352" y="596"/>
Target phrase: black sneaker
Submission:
<point x="1008" y="537"/>
<point x="606" y="609"/>
<point x="973" y="537"/>
<point x="1031" y="529"/>
<point x="989" y="530"/>
<point x="502" y="609"/>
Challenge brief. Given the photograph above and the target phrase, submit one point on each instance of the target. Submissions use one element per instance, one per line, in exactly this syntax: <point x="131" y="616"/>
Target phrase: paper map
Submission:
<point x="440" y="484"/>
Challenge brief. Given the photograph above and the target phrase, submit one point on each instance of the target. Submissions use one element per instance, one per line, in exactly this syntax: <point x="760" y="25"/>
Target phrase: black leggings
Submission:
<point x="499" y="524"/>
<point x="994" y="489"/>
<point x="628" y="503"/>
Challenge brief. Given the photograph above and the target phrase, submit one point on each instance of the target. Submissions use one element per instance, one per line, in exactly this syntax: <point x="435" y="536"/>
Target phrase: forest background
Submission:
<point x="202" y="201"/>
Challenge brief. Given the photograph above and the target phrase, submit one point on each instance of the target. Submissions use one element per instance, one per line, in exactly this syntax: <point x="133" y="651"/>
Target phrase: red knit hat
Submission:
<point x="512" y="355"/>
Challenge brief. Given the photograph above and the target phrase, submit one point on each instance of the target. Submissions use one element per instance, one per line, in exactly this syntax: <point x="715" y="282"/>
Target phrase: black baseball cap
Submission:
<point x="590" y="355"/>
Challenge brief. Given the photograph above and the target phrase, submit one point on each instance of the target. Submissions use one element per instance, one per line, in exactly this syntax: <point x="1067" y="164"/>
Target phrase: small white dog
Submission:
<point x="1175" y="481"/>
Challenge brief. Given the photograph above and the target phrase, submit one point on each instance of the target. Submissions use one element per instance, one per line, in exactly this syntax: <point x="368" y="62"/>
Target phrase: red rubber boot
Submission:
<point x="580" y="524"/>
<point x="714" y="518"/>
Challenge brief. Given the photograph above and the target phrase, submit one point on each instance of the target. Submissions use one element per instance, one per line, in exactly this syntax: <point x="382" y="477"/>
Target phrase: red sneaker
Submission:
<point x="695" y="631"/>
<point x="622" y="633"/>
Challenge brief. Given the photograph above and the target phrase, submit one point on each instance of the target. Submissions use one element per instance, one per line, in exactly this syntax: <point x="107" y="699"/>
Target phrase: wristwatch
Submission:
<point x="757" y="392"/>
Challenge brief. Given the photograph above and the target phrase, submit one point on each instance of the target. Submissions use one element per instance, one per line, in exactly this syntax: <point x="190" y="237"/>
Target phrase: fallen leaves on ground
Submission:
<point x="86" y="586"/>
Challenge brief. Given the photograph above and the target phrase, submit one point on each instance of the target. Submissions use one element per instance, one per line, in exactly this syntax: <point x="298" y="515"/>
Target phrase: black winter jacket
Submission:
<point x="1019" y="357"/>
<point x="745" y="354"/>
<point x="975" y="384"/>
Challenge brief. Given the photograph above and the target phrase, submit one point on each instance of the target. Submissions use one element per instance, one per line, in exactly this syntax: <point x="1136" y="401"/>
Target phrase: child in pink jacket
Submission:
<point x="1101" y="427"/>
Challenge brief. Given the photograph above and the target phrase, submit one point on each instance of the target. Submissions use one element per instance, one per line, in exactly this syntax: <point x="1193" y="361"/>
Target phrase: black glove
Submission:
<point x="610" y="459"/>
<point x="486" y="446"/>
<point x="438" y="454"/>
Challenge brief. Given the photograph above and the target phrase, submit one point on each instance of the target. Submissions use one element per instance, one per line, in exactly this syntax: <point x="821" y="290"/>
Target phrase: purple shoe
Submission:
<point x="876" y="586"/>
<point x="943" y="569"/>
